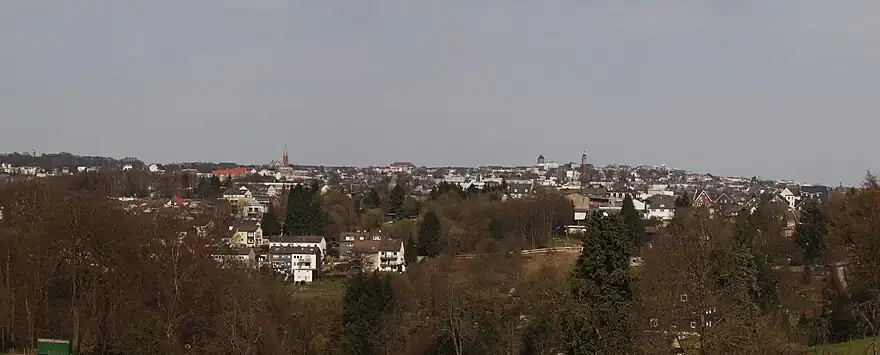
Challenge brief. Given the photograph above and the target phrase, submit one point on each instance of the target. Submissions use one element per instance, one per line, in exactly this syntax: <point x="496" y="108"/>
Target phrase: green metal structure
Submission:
<point x="53" y="347"/>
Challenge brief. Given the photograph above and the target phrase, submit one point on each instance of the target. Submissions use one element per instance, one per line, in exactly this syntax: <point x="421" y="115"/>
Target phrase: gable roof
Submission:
<point x="295" y="250"/>
<point x="245" y="226"/>
<point x="373" y="246"/>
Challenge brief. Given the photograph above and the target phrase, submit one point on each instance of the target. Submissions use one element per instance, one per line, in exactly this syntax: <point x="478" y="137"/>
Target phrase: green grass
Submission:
<point x="861" y="346"/>
<point x="322" y="286"/>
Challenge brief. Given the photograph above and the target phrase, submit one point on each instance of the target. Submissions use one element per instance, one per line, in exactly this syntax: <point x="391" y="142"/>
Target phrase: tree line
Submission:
<point x="77" y="265"/>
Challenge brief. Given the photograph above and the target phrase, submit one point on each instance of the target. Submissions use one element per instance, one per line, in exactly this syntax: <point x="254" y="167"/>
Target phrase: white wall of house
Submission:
<point x="664" y="213"/>
<point x="392" y="260"/>
<point x="302" y="266"/>
<point x="303" y="275"/>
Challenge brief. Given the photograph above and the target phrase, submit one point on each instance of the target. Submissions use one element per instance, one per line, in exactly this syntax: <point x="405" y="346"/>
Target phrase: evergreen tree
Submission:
<point x="216" y="185"/>
<point x="601" y="282"/>
<point x="496" y="229"/>
<point x="811" y="231"/>
<point x="472" y="191"/>
<point x="395" y="199"/>
<point x="429" y="235"/>
<point x="632" y="219"/>
<point x="314" y="210"/>
<point x="371" y="199"/>
<point x="682" y="201"/>
<point x="296" y="221"/>
<point x="227" y="183"/>
<point x="410" y="251"/>
<point x="410" y="207"/>
<point x="270" y="224"/>
<point x="367" y="300"/>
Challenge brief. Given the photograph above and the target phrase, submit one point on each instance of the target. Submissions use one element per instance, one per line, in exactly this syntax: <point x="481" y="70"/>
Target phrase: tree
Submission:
<point x="296" y="220"/>
<point x="371" y="199"/>
<point x="315" y="218"/>
<point x="270" y="224"/>
<point x="682" y="201"/>
<point x="396" y="199"/>
<point x="811" y="231"/>
<point x="496" y="229"/>
<point x="410" y="207"/>
<point x="632" y="219"/>
<point x="367" y="301"/>
<point x="602" y="282"/>
<point x="429" y="235"/>
<point x="410" y="251"/>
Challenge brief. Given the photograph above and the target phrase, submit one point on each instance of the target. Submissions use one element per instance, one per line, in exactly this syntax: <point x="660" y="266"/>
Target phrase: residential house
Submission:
<point x="303" y="241"/>
<point x="380" y="255"/>
<point x="581" y="206"/>
<point x="300" y="263"/>
<point x="242" y="256"/>
<point x="661" y="207"/>
<point x="342" y="245"/>
<point x="519" y="190"/>
<point x="246" y="233"/>
<point x="817" y="193"/>
<point x="791" y="195"/>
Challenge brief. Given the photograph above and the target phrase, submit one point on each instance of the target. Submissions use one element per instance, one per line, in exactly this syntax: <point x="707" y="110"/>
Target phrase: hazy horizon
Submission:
<point x="773" y="89"/>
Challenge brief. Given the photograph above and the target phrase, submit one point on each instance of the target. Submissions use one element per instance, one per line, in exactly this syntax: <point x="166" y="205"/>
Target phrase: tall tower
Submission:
<point x="284" y="159"/>
<point x="584" y="162"/>
<point x="584" y="176"/>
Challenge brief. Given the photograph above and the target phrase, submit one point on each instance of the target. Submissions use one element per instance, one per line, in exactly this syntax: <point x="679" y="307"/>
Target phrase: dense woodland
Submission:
<point x="76" y="265"/>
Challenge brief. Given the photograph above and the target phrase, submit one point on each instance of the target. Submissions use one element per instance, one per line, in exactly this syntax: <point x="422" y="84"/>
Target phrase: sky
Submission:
<point x="777" y="89"/>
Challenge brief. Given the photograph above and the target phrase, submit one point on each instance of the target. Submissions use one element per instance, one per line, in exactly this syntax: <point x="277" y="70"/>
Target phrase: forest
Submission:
<point x="76" y="265"/>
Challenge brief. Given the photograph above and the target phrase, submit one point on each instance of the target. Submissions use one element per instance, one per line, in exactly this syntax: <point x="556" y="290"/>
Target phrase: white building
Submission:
<point x="381" y="255"/>
<point x="245" y="257"/>
<point x="302" y="241"/>
<point x="301" y="264"/>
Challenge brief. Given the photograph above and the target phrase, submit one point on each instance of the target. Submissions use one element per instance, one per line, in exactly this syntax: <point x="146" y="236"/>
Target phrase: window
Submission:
<point x="708" y="324"/>
<point x="693" y="325"/>
<point x="683" y="297"/>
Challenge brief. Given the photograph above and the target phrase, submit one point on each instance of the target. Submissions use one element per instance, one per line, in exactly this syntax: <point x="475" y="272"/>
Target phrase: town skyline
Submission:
<point x="758" y="89"/>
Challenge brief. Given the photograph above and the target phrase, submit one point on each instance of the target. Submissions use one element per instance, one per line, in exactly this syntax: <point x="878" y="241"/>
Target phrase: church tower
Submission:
<point x="584" y="173"/>
<point x="584" y="162"/>
<point x="284" y="159"/>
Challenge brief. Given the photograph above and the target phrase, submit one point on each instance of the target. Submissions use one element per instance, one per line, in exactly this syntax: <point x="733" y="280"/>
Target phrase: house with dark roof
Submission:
<point x="380" y="255"/>
<point x="302" y="264"/>
<point x="246" y="233"/>
<point x="239" y="256"/>
<point x="303" y="241"/>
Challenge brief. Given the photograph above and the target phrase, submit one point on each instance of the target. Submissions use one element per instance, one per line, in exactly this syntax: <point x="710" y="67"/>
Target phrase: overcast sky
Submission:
<point x="779" y="89"/>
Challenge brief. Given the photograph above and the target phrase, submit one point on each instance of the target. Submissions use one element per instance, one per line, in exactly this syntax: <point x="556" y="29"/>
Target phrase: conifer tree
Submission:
<point x="811" y="231"/>
<point x="496" y="229"/>
<point x="371" y="199"/>
<point x="410" y="251"/>
<point x="396" y="198"/>
<point x="429" y="235"/>
<point x="270" y="224"/>
<point x="601" y="282"/>
<point x="366" y="301"/>
<point x="296" y="220"/>
<point x="632" y="219"/>
<point x="314" y="211"/>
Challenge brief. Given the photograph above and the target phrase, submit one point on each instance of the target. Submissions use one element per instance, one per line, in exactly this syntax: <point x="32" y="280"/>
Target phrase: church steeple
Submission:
<point x="284" y="158"/>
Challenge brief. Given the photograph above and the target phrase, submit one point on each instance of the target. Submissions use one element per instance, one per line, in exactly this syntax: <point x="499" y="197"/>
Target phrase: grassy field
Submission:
<point x="861" y="346"/>
<point x="328" y="286"/>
